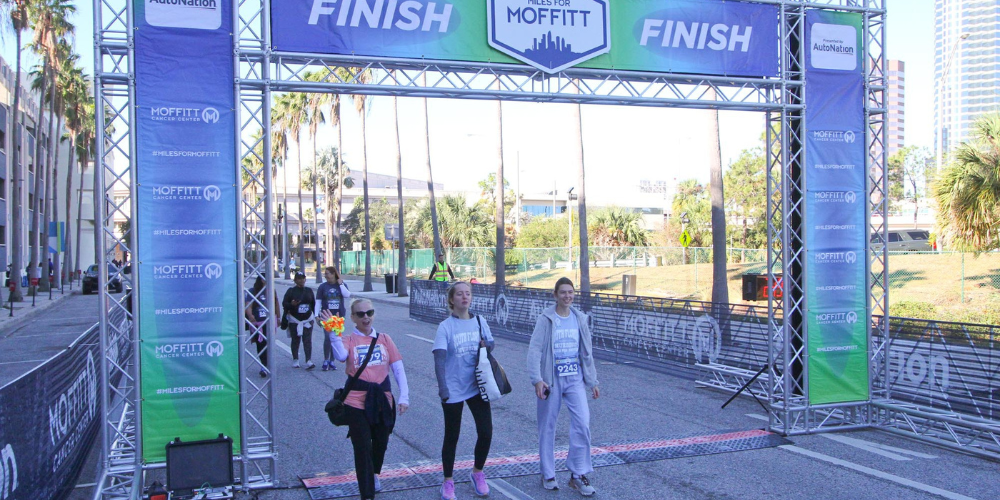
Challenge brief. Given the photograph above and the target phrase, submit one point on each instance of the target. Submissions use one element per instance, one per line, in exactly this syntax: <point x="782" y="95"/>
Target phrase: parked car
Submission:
<point x="90" y="279"/>
<point x="904" y="240"/>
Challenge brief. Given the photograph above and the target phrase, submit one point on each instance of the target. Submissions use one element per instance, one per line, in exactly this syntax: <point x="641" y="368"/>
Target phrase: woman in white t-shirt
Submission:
<point x="456" y="354"/>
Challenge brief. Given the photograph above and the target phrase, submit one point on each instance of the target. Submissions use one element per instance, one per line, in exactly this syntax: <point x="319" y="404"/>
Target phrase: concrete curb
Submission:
<point x="26" y="313"/>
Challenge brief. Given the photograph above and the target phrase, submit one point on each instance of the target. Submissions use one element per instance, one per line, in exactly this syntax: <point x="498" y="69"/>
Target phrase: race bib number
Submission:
<point x="303" y="308"/>
<point x="333" y="304"/>
<point x="262" y="313"/>
<point x="378" y="357"/>
<point x="567" y="366"/>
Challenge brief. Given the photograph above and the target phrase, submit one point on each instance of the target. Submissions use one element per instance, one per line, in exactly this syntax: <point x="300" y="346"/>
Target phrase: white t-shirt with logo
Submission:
<point x="459" y="338"/>
<point x="566" y="345"/>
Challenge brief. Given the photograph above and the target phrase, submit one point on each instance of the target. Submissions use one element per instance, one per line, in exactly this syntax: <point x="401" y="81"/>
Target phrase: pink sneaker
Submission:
<point x="479" y="484"/>
<point x="448" y="490"/>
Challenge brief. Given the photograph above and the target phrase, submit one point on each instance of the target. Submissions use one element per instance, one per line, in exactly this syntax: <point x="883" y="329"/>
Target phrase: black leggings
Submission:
<point x="306" y="339"/>
<point x="453" y="427"/>
<point x="369" y="442"/>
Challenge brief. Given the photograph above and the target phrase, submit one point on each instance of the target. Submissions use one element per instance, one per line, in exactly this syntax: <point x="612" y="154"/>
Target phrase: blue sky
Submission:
<point x="623" y="145"/>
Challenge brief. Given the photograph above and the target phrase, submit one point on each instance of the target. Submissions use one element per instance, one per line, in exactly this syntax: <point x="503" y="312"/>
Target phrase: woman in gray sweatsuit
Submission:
<point x="561" y="366"/>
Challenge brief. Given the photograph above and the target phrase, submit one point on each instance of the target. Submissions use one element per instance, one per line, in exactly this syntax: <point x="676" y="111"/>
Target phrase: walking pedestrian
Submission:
<point x="332" y="296"/>
<point x="561" y="367"/>
<point x="441" y="270"/>
<point x="456" y="354"/>
<point x="299" y="305"/>
<point x="257" y="315"/>
<point x="371" y="409"/>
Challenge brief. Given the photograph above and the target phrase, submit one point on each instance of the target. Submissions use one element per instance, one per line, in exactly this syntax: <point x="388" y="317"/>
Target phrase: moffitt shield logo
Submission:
<point x="210" y="115"/>
<point x="212" y="193"/>
<point x="850" y="197"/>
<point x="213" y="271"/>
<point x="214" y="349"/>
<point x="550" y="36"/>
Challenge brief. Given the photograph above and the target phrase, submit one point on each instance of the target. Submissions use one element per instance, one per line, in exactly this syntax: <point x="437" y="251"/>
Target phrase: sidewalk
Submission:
<point x="24" y="312"/>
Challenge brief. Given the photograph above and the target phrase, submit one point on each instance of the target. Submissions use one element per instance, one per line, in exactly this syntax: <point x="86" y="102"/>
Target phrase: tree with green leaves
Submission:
<point x="691" y="201"/>
<point x="315" y="104"/>
<point x="76" y="95"/>
<point x="908" y="170"/>
<point x="17" y="12"/>
<point x="327" y="172"/>
<point x="618" y="227"/>
<point x="291" y="112"/>
<point x="746" y="199"/>
<point x="967" y="190"/>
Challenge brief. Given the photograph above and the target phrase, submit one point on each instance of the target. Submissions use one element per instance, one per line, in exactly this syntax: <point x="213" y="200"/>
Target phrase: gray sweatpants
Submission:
<point x="569" y="390"/>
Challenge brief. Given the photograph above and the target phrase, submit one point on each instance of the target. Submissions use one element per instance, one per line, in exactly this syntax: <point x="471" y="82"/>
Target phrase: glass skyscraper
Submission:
<point x="966" y="67"/>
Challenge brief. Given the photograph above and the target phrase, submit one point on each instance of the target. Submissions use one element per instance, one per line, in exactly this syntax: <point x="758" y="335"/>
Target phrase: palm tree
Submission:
<point x="50" y="23"/>
<point x="314" y="106"/>
<point x="617" y="227"/>
<point x="18" y="12"/>
<point x="84" y="147"/>
<point x="279" y="149"/>
<point x="326" y="168"/>
<point x="64" y="83"/>
<point x="361" y="104"/>
<point x="401" y="236"/>
<point x="968" y="189"/>
<point x="720" y="282"/>
<point x="464" y="225"/>
<point x="581" y="202"/>
<point x="501" y="262"/>
<point x="76" y="95"/>
<point x="435" y="229"/>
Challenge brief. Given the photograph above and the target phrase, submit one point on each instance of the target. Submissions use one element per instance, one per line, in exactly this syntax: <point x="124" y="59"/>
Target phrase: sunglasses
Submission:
<point x="361" y="314"/>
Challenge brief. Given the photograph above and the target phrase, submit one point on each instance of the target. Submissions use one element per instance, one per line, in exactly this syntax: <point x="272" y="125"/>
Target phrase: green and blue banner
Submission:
<point x="57" y="237"/>
<point x="836" y="208"/>
<point x="186" y="177"/>
<point x="712" y="37"/>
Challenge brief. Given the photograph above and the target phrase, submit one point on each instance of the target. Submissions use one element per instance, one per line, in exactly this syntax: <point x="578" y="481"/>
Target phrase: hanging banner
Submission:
<point x="57" y="237"/>
<point x="713" y="37"/>
<point x="186" y="177"/>
<point x="836" y="208"/>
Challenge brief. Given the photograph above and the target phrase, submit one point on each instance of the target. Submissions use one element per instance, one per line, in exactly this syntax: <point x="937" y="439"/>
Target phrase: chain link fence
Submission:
<point x="951" y="286"/>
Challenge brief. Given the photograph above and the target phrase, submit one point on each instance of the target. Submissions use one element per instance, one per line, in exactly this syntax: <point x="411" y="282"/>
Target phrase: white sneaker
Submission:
<point x="310" y="365"/>
<point x="295" y="363"/>
<point x="581" y="484"/>
<point x="550" y="483"/>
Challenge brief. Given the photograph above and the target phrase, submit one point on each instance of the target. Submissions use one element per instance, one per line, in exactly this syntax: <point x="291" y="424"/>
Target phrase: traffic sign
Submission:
<point x="685" y="238"/>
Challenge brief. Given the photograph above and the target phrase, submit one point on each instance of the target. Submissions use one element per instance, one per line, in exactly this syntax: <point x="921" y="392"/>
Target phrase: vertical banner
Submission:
<point x="836" y="207"/>
<point x="57" y="237"/>
<point x="186" y="194"/>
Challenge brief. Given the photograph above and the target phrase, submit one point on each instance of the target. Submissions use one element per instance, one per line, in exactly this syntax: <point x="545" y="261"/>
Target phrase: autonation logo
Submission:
<point x="187" y="193"/>
<point x="196" y="14"/>
<point x="834" y="46"/>
<point x="835" y="257"/>
<point x="837" y="318"/>
<point x="849" y="197"/>
<point x="847" y="137"/>
<point x="210" y="271"/>
<point x="213" y="349"/>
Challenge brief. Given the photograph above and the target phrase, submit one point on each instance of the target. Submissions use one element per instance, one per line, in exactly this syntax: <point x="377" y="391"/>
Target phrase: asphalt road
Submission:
<point x="634" y="404"/>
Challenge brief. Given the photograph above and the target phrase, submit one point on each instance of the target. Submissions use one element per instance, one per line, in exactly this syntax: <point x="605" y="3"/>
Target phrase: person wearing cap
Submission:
<point x="299" y="307"/>
<point x="441" y="270"/>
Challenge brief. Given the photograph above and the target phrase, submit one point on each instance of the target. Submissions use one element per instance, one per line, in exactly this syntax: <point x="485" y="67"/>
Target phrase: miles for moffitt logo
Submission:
<point x="187" y="193"/>
<point x="196" y="14"/>
<point x="551" y="35"/>
<point x="835" y="257"/>
<point x="208" y="115"/>
<point x="839" y="318"/>
<point x="187" y="271"/>
<point x="211" y="349"/>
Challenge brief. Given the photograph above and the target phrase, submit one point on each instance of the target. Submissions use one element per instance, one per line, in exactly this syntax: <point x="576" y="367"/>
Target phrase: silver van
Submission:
<point x="904" y="240"/>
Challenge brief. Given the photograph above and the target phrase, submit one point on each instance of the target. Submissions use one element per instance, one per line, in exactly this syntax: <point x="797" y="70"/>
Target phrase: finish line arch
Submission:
<point x="259" y="67"/>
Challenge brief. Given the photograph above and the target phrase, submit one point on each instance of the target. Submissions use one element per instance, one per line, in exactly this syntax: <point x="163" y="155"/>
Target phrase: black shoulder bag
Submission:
<point x="335" y="409"/>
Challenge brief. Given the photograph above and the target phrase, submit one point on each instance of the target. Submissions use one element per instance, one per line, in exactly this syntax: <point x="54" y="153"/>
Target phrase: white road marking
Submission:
<point x="283" y="346"/>
<point x="508" y="490"/>
<point x="877" y="473"/>
<point x="418" y="337"/>
<point x="876" y="448"/>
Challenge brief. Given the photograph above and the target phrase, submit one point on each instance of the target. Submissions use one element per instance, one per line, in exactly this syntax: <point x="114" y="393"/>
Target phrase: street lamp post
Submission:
<point x="941" y="98"/>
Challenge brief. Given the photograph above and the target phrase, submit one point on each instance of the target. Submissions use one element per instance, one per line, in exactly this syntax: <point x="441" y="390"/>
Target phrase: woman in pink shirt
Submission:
<point x="370" y="405"/>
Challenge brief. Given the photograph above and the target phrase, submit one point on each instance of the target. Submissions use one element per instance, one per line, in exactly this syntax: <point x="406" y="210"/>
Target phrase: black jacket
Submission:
<point x="305" y="297"/>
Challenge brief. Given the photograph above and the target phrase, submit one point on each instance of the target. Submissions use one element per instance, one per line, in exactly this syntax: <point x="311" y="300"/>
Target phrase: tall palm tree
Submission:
<point x="720" y="282"/>
<point x="435" y="229"/>
<point x="334" y="251"/>
<point x="64" y="83"/>
<point x="76" y="95"/>
<point x="279" y="148"/>
<point x="18" y="14"/>
<point x="85" y="146"/>
<point x="401" y="236"/>
<point x="315" y="103"/>
<point x="501" y="262"/>
<point x="327" y="169"/>
<point x="581" y="202"/>
<point x="967" y="191"/>
<point x="361" y="105"/>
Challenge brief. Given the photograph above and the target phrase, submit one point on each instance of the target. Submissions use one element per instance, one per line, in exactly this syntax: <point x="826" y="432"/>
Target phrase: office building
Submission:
<point x="896" y="100"/>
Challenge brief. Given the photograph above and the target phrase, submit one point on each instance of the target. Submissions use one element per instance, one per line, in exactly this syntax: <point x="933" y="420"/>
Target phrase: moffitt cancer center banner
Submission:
<point x="186" y="175"/>
<point x="836" y="208"/>
<point x="712" y="37"/>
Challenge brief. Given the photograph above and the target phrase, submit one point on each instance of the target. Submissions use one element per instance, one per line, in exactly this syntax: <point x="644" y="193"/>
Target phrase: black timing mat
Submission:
<point x="427" y="473"/>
